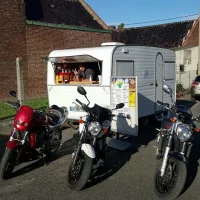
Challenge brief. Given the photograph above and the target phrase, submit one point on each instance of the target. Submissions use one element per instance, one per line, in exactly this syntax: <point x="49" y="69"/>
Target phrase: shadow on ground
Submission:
<point x="3" y="141"/>
<point x="115" y="160"/>
<point x="193" y="163"/>
<point x="37" y="162"/>
<point x="187" y="103"/>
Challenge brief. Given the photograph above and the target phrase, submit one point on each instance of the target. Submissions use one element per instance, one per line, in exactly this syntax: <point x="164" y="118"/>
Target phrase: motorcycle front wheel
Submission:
<point x="79" y="174"/>
<point x="171" y="184"/>
<point x="8" y="163"/>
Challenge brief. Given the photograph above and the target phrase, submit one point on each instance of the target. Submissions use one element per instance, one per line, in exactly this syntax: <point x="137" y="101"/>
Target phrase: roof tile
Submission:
<point x="164" y="35"/>
<point x="68" y="12"/>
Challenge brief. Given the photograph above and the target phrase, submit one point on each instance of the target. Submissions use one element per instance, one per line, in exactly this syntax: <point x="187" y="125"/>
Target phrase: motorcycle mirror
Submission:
<point x="81" y="91"/>
<point x="167" y="89"/>
<point x="119" y="105"/>
<point x="13" y="93"/>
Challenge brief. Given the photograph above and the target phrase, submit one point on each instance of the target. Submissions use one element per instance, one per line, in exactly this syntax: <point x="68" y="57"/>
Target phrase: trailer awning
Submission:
<point x="72" y="59"/>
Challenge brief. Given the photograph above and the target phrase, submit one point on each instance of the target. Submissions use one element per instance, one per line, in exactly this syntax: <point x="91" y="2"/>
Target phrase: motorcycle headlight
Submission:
<point x="184" y="132"/>
<point x="94" y="128"/>
<point x="76" y="109"/>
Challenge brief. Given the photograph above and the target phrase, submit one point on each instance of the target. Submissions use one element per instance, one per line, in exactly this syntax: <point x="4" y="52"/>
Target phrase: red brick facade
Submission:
<point x="12" y="43"/>
<point x="32" y="42"/>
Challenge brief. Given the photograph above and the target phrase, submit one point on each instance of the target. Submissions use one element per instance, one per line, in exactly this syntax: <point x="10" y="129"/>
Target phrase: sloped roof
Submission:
<point x="192" y="39"/>
<point x="164" y="35"/>
<point x="68" y="12"/>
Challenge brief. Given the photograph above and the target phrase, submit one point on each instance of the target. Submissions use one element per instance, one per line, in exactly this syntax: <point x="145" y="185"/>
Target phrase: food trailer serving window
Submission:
<point x="67" y="69"/>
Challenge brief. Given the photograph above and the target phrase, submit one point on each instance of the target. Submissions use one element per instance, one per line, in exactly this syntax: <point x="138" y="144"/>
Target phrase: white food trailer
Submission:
<point x="152" y="66"/>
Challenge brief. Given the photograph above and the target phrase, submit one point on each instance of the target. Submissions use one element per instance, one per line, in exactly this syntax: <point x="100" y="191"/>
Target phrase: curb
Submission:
<point x="6" y="123"/>
<point x="5" y="127"/>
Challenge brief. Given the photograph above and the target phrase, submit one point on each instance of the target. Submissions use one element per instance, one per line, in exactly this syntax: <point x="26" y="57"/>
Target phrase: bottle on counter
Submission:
<point x="65" y="78"/>
<point x="61" y="76"/>
<point x="70" y="75"/>
<point x="57" y="76"/>
<point x="90" y="78"/>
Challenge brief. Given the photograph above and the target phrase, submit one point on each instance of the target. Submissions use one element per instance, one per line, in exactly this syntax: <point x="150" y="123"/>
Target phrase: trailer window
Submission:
<point x="169" y="71"/>
<point x="66" y="69"/>
<point x="124" y="68"/>
<point x="66" y="72"/>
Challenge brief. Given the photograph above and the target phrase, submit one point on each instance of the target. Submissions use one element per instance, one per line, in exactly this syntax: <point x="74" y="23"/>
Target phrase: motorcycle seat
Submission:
<point x="61" y="114"/>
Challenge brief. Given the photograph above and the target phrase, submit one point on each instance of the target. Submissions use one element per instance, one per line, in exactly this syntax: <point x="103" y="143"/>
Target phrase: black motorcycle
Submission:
<point x="91" y="147"/>
<point x="174" y="149"/>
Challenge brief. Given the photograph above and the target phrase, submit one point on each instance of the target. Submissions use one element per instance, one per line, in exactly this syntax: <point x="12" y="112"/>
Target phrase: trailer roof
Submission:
<point x="97" y="52"/>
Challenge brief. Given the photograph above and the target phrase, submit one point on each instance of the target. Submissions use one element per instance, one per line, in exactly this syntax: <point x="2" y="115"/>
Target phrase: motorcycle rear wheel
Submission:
<point x="79" y="174"/>
<point x="8" y="163"/>
<point x="172" y="183"/>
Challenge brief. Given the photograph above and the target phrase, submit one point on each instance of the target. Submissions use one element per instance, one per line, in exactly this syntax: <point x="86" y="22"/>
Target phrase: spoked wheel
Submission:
<point x="171" y="184"/>
<point x="8" y="163"/>
<point x="79" y="174"/>
<point x="55" y="140"/>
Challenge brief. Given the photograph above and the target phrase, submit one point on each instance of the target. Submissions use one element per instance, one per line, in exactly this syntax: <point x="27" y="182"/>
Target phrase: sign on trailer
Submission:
<point x="124" y="90"/>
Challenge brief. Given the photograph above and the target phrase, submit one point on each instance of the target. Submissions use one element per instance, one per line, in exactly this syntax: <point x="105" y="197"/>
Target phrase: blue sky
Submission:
<point x="135" y="11"/>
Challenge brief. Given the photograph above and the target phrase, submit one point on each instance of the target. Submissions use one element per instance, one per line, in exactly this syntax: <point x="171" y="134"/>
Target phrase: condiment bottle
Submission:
<point x="57" y="76"/>
<point x="90" y="79"/>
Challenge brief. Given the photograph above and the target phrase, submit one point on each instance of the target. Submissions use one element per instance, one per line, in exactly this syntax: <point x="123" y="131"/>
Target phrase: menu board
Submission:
<point x="124" y="90"/>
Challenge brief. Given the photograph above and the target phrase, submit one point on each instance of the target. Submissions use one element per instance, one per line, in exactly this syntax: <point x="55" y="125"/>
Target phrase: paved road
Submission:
<point x="126" y="175"/>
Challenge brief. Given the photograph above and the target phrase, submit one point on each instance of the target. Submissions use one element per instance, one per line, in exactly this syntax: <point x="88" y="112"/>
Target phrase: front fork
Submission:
<point x="167" y="150"/>
<point x="75" y="156"/>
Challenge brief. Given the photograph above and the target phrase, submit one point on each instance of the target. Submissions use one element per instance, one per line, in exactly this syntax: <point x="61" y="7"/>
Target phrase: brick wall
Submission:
<point x="32" y="42"/>
<point x="12" y="43"/>
<point x="42" y="40"/>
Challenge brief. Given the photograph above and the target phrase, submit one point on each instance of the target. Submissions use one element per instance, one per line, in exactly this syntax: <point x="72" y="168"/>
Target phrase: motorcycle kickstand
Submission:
<point x="41" y="153"/>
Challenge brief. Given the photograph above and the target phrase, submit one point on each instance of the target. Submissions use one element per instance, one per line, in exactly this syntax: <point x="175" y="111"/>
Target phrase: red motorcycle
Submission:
<point x="34" y="131"/>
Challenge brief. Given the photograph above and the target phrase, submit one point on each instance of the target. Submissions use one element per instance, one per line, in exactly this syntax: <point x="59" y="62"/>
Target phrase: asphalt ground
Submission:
<point x="126" y="174"/>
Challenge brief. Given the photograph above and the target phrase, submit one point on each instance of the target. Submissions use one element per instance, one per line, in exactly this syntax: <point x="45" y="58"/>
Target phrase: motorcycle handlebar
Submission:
<point x="9" y="102"/>
<point x="160" y="102"/>
<point x="79" y="102"/>
<point x="163" y="104"/>
<point x="14" y="104"/>
<point x="85" y="107"/>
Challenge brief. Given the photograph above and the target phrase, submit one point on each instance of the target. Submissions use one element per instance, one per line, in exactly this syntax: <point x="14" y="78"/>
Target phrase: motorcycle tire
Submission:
<point x="50" y="151"/>
<point x="84" y="174"/>
<point x="179" y="176"/>
<point x="8" y="158"/>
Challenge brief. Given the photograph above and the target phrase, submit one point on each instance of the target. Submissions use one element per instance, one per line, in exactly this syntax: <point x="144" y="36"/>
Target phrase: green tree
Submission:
<point x="120" y="26"/>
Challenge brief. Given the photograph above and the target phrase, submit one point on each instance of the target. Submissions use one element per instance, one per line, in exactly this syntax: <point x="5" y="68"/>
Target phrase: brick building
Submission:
<point x="31" y="29"/>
